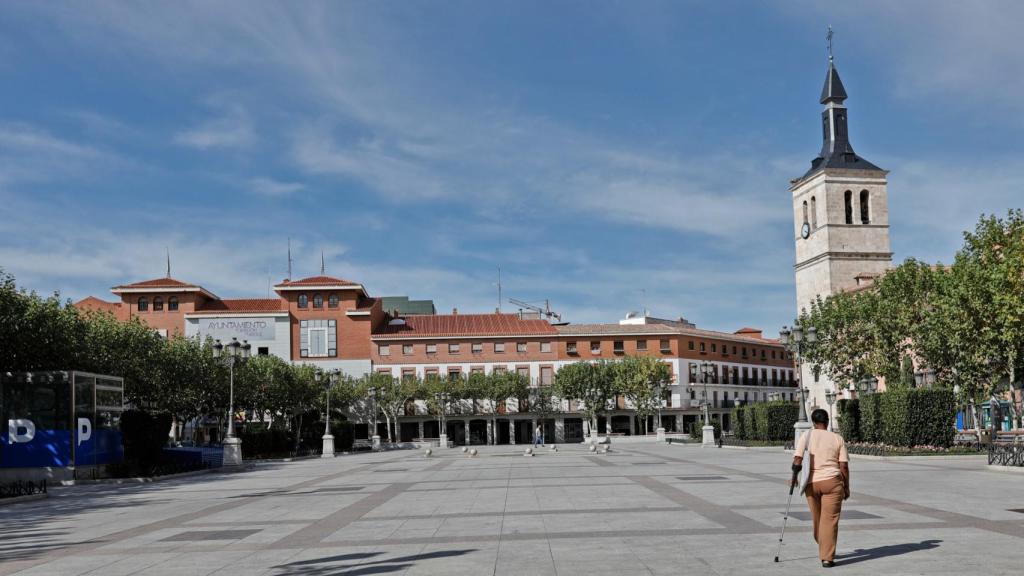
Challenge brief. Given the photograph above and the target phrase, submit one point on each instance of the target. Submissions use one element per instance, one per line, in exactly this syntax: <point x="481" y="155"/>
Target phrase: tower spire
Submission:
<point x="289" y="257"/>
<point x="322" y="267"/>
<point x="168" y="261"/>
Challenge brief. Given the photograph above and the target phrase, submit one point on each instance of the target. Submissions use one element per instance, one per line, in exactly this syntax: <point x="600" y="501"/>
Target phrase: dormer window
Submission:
<point x="143" y="304"/>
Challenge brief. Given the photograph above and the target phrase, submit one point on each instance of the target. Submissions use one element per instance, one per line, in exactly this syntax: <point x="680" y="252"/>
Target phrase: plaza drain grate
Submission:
<point x="200" y="535"/>
<point x="846" y="515"/>
<point x="700" y="478"/>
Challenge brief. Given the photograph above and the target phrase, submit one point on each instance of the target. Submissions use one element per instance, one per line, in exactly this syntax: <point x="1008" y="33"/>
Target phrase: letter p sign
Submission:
<point x="15" y="427"/>
<point x="84" y="430"/>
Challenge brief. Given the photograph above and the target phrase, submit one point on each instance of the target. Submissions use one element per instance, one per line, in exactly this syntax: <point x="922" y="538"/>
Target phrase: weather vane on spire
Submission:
<point x="829" y="38"/>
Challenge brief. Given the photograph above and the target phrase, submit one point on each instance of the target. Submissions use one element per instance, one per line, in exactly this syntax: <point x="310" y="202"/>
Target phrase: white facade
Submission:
<point x="267" y="332"/>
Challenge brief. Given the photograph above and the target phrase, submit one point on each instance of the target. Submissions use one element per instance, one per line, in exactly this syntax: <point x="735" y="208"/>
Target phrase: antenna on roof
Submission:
<point x="168" y="261"/>
<point x="828" y="37"/>
<point x="499" y="289"/>
<point x="289" y="257"/>
<point x="321" y="262"/>
<point x="268" y="280"/>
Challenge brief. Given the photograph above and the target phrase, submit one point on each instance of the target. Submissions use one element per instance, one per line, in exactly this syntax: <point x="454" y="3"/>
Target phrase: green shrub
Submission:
<point x="696" y="433"/>
<point x="774" y="420"/>
<point x="849" y="419"/>
<point x="871" y="418"/>
<point x="344" y="435"/>
<point x="739" y="429"/>
<point x="917" y="417"/>
<point x="750" y="424"/>
<point x="258" y="441"/>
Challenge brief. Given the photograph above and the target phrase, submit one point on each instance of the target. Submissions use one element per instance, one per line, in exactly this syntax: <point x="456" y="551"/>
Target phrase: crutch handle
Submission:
<point x="792" y="484"/>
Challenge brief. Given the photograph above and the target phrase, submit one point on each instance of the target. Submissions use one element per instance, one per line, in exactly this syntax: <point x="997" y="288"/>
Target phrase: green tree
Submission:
<point x="497" y="388"/>
<point x="643" y="379"/>
<point x="592" y="383"/>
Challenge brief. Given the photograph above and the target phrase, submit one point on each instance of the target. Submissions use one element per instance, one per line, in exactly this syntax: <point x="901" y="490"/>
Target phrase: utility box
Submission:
<point x="59" y="425"/>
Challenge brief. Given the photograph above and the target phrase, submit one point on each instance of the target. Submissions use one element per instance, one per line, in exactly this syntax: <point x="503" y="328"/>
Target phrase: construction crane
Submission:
<point x="545" y="311"/>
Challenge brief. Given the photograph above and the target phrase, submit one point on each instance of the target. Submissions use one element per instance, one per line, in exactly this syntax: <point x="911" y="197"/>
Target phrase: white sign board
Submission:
<point x="224" y="329"/>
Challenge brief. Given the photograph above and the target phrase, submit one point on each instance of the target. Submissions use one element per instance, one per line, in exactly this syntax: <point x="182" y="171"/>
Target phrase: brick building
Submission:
<point x="334" y="323"/>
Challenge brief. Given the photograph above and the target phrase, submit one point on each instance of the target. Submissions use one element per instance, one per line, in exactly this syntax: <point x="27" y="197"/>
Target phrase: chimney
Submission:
<point x="455" y="311"/>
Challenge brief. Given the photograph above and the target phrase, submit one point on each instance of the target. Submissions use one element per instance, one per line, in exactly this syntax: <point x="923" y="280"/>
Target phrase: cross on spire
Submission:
<point x="828" y="37"/>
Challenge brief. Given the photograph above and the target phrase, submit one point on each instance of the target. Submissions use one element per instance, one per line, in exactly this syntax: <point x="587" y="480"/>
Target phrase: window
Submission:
<point x="545" y="346"/>
<point x="764" y="376"/>
<point x="595" y="347"/>
<point x="454" y="372"/>
<point x="500" y="369"/>
<point x="690" y="345"/>
<point x="714" y="348"/>
<point x="734" y="350"/>
<point x="817" y="373"/>
<point x="521" y="347"/>
<point x="499" y="347"/>
<point x="158" y="304"/>
<point x="407" y="349"/>
<point x="263" y="351"/>
<point x="865" y="207"/>
<point x="431" y="348"/>
<point x="665" y="347"/>
<point x="303" y="301"/>
<point x="318" y="301"/>
<point x="476" y="348"/>
<point x="570" y="348"/>
<point x="318" y="338"/>
<point x="814" y="213"/>
<point x="172" y="303"/>
<point x="805" y="212"/>
<point x="725" y="350"/>
<point x="476" y="369"/>
<point x="762" y="354"/>
<point x="408" y="373"/>
<point x="848" y="200"/>
<point x="744" y="349"/>
<point x="453" y="348"/>
<point x="641" y="345"/>
<point x="773" y="354"/>
<point x="332" y="301"/>
<point x="143" y="304"/>
<point x="430" y="372"/>
<point x="384" y="350"/>
<point x="702" y="350"/>
<point x="618" y="347"/>
<point x="546" y="373"/>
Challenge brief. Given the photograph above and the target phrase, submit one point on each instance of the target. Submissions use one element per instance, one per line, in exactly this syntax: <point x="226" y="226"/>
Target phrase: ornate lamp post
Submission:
<point x="707" y="430"/>
<point x="660" y="429"/>
<point x="329" y="380"/>
<point x="374" y="437"/>
<point x="232" y="352"/>
<point x="830" y="399"/>
<point x="442" y="402"/>
<point x="795" y="340"/>
<point x="867" y="386"/>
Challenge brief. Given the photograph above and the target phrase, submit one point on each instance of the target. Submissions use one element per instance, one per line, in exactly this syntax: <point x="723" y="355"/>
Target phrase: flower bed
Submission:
<point x="876" y="449"/>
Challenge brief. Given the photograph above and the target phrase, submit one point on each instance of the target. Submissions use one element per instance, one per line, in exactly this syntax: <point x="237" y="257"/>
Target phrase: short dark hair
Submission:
<point x="819" y="416"/>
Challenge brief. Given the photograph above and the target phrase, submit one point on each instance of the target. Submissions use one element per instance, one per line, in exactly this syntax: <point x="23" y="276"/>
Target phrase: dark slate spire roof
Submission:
<point x="833" y="90"/>
<point x="836" y="150"/>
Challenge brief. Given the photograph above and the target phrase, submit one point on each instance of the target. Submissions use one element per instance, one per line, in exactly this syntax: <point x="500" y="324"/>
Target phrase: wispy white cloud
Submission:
<point x="272" y="188"/>
<point x="232" y="129"/>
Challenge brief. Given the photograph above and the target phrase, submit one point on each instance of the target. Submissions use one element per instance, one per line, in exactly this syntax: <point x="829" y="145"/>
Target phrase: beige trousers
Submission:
<point x="825" y="499"/>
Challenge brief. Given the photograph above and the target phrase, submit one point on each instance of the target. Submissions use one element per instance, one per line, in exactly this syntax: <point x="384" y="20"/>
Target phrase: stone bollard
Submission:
<point x="554" y="448"/>
<point x="428" y="452"/>
<point x="464" y="449"/>
<point x="593" y="447"/>
<point x="528" y="452"/>
<point x="472" y="453"/>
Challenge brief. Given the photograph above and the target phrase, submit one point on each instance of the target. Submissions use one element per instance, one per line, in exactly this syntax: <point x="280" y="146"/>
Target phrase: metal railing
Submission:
<point x="1003" y="454"/>
<point x="22" y="488"/>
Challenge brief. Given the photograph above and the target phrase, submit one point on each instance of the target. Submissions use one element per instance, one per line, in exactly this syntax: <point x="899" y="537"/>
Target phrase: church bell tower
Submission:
<point x="840" y="218"/>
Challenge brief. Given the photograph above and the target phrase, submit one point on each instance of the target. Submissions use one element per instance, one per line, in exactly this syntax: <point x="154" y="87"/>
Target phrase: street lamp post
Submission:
<point x="660" y="430"/>
<point x="956" y="400"/>
<point x="442" y="402"/>
<point x="795" y="340"/>
<point x="232" y="352"/>
<point x="374" y="436"/>
<point x="867" y="386"/>
<point x="707" y="430"/>
<point x="829" y="400"/>
<point x="330" y="379"/>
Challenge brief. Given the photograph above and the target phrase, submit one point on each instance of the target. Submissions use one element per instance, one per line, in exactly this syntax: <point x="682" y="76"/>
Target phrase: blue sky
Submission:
<point x="605" y="154"/>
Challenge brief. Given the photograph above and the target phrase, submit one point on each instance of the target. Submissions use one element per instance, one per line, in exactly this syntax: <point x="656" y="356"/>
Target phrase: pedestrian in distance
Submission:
<point x="538" y="437"/>
<point x="828" y="482"/>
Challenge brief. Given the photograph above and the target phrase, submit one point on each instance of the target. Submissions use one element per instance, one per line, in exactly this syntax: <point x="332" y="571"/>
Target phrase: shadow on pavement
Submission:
<point x="330" y="565"/>
<point x="864" y="554"/>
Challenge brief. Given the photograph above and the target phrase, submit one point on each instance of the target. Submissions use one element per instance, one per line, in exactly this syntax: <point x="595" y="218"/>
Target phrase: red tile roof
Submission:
<point x="243" y="305"/>
<point x="94" y="303"/>
<point x="158" y="283"/>
<point x="465" y="325"/>
<point x="319" y="281"/>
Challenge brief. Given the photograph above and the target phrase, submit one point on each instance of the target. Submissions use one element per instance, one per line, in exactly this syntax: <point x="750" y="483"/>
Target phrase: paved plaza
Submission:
<point x="644" y="508"/>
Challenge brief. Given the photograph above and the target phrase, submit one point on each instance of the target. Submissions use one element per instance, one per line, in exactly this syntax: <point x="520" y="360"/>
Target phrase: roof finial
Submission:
<point x="321" y="262"/>
<point x="829" y="38"/>
<point x="289" y="258"/>
<point x="168" y="261"/>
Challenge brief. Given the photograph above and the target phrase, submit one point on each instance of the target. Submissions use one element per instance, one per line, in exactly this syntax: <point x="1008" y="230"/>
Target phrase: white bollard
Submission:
<point x="428" y="452"/>
<point x="472" y="453"/>
<point x="593" y="447"/>
<point x="528" y="452"/>
<point x="464" y="449"/>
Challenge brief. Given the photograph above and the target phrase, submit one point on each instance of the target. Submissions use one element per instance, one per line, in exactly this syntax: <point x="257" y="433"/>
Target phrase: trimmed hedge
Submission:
<point x="918" y="417"/>
<point x="258" y="441"/>
<point x="144" y="436"/>
<point x="871" y="418"/>
<point x="766" y="421"/>
<point x="849" y="419"/>
<point x="696" y="433"/>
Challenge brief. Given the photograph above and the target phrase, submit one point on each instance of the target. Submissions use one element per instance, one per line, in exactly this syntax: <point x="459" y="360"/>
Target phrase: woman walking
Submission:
<point x="828" y="483"/>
